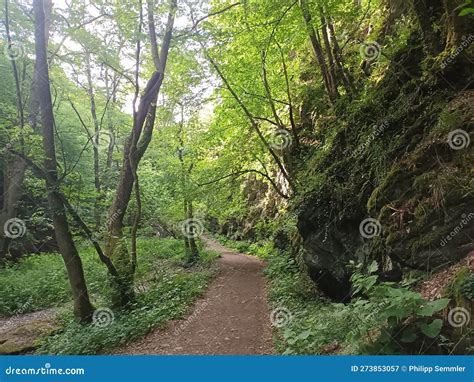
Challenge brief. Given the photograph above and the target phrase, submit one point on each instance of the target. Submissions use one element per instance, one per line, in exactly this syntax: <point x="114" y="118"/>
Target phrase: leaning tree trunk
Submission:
<point x="333" y="80"/>
<point x="458" y="27"/>
<point x="82" y="307"/>
<point x="134" y="148"/>
<point x="346" y="77"/>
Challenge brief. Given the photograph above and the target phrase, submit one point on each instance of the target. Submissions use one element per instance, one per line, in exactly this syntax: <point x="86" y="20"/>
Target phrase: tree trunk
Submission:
<point x="82" y="307"/>
<point x="333" y="80"/>
<point x="193" y="249"/>
<point x="15" y="167"/>
<point x="393" y="10"/>
<point x="457" y="26"/>
<point x="95" y="141"/>
<point x="346" y="77"/>
<point x="134" y="148"/>
<point x="13" y="176"/>
<point x="318" y="50"/>
<point x="430" y="36"/>
<point x="112" y="97"/>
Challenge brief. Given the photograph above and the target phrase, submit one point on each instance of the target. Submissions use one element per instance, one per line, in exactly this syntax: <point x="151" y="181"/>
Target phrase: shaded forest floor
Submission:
<point x="232" y="317"/>
<point x="20" y="332"/>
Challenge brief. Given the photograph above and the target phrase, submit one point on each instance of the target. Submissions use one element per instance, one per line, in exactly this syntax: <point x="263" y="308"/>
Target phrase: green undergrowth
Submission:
<point x="164" y="288"/>
<point x="261" y="249"/>
<point x="309" y="322"/>
<point x="165" y="291"/>
<point x="382" y="318"/>
<point x="40" y="281"/>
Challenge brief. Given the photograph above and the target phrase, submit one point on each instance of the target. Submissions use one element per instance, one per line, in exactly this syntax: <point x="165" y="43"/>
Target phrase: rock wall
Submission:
<point x="396" y="184"/>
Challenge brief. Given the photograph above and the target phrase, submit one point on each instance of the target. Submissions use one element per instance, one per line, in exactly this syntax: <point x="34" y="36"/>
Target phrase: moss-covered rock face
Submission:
<point x="402" y="158"/>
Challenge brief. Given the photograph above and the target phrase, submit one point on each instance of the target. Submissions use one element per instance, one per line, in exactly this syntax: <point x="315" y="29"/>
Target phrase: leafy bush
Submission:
<point x="312" y="323"/>
<point x="401" y="315"/>
<point x="382" y="319"/>
<point x="238" y="245"/>
<point x="164" y="292"/>
<point x="461" y="286"/>
<point x="466" y="288"/>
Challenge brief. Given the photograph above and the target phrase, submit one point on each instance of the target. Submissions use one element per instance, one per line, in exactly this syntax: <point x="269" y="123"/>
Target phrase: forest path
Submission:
<point x="231" y="318"/>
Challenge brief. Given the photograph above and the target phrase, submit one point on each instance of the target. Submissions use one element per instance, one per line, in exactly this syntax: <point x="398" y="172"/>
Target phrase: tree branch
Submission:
<point x="198" y="21"/>
<point x="250" y="118"/>
<point x="42" y="174"/>
<point x="243" y="172"/>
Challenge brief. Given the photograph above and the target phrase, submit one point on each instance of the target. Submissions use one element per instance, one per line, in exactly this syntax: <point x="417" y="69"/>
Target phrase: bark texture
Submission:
<point x="82" y="307"/>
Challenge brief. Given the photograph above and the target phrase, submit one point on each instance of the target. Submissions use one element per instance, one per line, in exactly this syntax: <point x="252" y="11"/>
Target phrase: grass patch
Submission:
<point x="261" y="249"/>
<point x="164" y="288"/>
<point x="40" y="281"/>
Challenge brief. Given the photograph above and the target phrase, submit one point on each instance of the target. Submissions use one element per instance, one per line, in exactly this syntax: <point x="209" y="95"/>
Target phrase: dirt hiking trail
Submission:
<point x="232" y="317"/>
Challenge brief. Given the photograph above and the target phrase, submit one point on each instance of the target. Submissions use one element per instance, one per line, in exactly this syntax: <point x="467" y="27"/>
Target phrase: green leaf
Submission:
<point x="369" y="282"/>
<point x="466" y="11"/>
<point x="393" y="292"/>
<point x="396" y="310"/>
<point x="433" y="329"/>
<point x="392" y="321"/>
<point x="373" y="267"/>
<point x="305" y="334"/>
<point x="408" y="335"/>
<point x="433" y="306"/>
